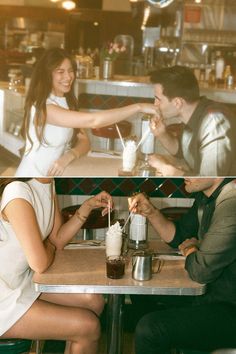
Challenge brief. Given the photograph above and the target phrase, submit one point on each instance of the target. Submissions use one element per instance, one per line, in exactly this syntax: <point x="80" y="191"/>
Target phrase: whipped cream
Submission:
<point x="129" y="155"/>
<point x="114" y="240"/>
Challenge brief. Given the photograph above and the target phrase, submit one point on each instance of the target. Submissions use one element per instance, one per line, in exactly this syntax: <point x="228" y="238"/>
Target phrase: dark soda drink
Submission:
<point x="115" y="267"/>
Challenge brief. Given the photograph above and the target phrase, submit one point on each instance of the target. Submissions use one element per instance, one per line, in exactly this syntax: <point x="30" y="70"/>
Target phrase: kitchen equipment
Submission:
<point x="147" y="148"/>
<point x="138" y="230"/>
<point x="143" y="263"/>
<point x="123" y="64"/>
<point x="160" y="3"/>
<point x="142" y="266"/>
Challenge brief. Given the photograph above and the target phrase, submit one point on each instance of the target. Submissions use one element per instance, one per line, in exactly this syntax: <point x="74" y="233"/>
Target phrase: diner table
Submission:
<point x="94" y="164"/>
<point x="82" y="269"/>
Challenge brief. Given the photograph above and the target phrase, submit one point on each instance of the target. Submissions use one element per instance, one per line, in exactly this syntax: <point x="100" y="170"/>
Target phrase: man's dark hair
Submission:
<point x="177" y="81"/>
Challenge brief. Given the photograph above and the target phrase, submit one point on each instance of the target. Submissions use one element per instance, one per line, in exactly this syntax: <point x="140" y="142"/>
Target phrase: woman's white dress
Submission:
<point x="39" y="157"/>
<point x="17" y="292"/>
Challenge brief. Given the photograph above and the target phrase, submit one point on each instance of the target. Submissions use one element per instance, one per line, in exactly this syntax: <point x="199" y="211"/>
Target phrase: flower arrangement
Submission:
<point x="111" y="51"/>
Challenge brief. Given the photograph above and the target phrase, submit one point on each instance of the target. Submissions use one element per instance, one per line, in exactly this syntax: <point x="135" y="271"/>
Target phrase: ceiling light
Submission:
<point x="68" y="5"/>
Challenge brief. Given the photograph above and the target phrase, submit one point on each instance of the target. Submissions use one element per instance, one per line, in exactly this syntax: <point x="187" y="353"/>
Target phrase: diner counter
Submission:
<point x="140" y="86"/>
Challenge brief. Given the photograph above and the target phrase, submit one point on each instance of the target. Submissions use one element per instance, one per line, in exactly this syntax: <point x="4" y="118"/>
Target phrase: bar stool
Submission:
<point x="19" y="346"/>
<point x="174" y="213"/>
<point x="95" y="220"/>
<point x="110" y="133"/>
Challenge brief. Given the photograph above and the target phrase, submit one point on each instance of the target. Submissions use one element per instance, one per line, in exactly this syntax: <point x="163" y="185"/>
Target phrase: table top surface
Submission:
<point x="83" y="270"/>
<point x="99" y="165"/>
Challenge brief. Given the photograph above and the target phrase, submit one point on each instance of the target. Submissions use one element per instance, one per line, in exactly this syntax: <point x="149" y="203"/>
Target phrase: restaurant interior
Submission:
<point x="199" y="34"/>
<point x="154" y="36"/>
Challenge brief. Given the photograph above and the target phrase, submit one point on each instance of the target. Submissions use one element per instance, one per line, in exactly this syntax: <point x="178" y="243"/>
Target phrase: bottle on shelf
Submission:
<point x="220" y="66"/>
<point x="228" y="77"/>
<point x="212" y="76"/>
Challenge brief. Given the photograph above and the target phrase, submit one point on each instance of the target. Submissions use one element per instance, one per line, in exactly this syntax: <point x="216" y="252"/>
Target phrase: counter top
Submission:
<point x="4" y="85"/>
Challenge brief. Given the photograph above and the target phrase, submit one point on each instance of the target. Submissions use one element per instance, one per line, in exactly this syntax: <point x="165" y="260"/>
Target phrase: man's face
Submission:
<point x="167" y="106"/>
<point x="206" y="185"/>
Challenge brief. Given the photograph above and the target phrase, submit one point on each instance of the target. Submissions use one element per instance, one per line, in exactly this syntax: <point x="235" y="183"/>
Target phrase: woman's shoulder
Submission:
<point x="56" y="100"/>
<point x="16" y="189"/>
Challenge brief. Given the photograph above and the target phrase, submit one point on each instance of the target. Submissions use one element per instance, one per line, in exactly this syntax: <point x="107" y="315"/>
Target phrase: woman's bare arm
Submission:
<point x="82" y="146"/>
<point x="21" y="215"/>
<point x="72" y="119"/>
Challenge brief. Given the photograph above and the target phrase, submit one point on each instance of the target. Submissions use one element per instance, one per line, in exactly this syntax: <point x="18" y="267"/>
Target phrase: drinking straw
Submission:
<point x="120" y="136"/>
<point x="144" y="137"/>
<point x="109" y="214"/>
<point x="130" y="214"/>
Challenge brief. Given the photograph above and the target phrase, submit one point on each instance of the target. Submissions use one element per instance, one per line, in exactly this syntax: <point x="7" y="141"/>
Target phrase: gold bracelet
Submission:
<point x="82" y="218"/>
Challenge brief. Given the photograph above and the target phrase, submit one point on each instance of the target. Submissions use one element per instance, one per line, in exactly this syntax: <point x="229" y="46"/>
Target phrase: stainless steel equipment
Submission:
<point x="138" y="231"/>
<point x="160" y="3"/>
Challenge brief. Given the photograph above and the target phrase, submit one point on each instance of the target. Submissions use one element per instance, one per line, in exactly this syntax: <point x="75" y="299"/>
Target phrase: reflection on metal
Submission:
<point x="160" y="3"/>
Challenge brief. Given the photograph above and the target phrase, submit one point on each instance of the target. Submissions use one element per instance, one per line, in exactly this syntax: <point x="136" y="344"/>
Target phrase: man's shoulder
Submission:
<point x="227" y="192"/>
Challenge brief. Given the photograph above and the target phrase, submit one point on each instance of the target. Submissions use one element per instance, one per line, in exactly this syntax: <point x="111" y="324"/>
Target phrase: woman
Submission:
<point x="51" y="115"/>
<point x="31" y="229"/>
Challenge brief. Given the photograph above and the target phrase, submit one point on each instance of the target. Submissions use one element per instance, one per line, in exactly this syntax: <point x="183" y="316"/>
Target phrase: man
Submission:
<point x="207" y="145"/>
<point x="206" y="235"/>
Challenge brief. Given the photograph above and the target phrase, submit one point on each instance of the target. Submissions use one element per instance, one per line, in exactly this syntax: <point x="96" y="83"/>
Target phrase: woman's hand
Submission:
<point x="101" y="200"/>
<point x="189" y="246"/>
<point x="139" y="204"/>
<point x="149" y="108"/>
<point x="59" y="165"/>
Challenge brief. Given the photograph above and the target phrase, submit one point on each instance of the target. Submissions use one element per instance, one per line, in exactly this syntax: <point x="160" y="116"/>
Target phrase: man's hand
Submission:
<point x="167" y="165"/>
<point x="157" y="125"/>
<point x="189" y="246"/>
<point x="139" y="204"/>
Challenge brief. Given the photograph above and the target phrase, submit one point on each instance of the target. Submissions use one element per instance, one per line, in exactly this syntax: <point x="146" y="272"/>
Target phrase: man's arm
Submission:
<point x="217" y="250"/>
<point x="141" y="205"/>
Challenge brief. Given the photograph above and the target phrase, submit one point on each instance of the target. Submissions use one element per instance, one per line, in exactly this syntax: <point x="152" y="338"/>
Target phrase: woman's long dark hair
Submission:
<point x="41" y="87"/>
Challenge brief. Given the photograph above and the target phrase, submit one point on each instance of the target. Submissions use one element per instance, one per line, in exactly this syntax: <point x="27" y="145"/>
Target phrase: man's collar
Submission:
<point x="194" y="119"/>
<point x="201" y="196"/>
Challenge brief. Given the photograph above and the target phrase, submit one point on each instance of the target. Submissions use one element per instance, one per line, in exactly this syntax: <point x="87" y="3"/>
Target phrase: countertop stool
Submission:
<point x="20" y="346"/>
<point x="94" y="221"/>
<point x="174" y="213"/>
<point x="110" y="133"/>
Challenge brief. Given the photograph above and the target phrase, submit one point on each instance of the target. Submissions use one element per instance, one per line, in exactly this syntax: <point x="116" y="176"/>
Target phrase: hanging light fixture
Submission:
<point x="68" y="5"/>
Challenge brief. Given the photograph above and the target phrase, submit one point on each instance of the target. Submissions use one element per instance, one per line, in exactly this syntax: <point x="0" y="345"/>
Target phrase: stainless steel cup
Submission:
<point x="142" y="266"/>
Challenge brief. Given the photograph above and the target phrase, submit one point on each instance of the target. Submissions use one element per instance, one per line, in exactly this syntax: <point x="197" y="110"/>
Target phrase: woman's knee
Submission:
<point x="95" y="303"/>
<point x="87" y="326"/>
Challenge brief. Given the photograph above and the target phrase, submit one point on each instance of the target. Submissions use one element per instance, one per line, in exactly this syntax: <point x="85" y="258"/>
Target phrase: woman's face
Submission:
<point x="62" y="78"/>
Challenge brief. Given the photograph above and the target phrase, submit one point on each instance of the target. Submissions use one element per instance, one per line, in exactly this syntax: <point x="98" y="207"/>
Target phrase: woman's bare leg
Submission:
<point x="91" y="302"/>
<point x="45" y="320"/>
